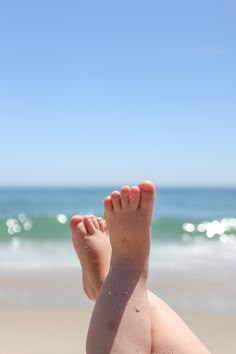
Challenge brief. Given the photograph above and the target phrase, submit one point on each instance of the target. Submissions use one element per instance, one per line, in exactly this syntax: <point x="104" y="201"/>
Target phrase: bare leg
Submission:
<point x="121" y="318"/>
<point x="170" y="335"/>
<point x="169" y="332"/>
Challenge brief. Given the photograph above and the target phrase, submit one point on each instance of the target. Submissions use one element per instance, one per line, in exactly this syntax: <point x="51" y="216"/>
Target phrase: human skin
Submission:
<point x="115" y="273"/>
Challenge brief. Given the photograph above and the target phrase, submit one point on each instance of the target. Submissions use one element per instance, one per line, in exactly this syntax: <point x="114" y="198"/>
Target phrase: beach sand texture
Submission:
<point x="46" y="312"/>
<point x="64" y="331"/>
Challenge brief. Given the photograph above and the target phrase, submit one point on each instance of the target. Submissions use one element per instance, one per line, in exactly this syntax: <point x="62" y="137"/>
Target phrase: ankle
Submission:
<point x="126" y="269"/>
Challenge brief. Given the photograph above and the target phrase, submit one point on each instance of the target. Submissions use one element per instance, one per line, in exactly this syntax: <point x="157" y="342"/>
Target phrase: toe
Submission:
<point x="78" y="230"/>
<point x="74" y="221"/>
<point x="115" y="197"/>
<point x="108" y="206"/>
<point x="147" y="193"/>
<point x="77" y="227"/>
<point x="81" y="229"/>
<point x="134" y="197"/>
<point x="88" y="222"/>
<point x="124" y="196"/>
<point x="95" y="222"/>
<point x="102" y="224"/>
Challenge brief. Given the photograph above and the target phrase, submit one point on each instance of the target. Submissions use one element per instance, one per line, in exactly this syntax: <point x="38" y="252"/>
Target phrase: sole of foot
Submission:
<point x="92" y="245"/>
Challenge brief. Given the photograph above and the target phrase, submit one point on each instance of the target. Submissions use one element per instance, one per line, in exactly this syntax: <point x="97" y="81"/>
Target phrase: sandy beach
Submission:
<point x="64" y="331"/>
<point x="46" y="312"/>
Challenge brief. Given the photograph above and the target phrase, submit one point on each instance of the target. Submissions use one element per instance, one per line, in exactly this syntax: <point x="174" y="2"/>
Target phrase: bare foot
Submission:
<point x="121" y="314"/>
<point x="90" y="235"/>
<point x="128" y="214"/>
<point x="92" y="245"/>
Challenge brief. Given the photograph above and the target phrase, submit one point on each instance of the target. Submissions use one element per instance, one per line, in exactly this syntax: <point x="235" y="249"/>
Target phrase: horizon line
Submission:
<point x="110" y="185"/>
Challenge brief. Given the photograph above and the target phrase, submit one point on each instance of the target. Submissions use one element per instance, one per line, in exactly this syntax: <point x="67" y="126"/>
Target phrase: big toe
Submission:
<point x="78" y="230"/>
<point x="147" y="194"/>
<point x="75" y="221"/>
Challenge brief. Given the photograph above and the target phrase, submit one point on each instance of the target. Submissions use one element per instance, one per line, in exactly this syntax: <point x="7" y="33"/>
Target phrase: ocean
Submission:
<point x="193" y="237"/>
<point x="34" y="225"/>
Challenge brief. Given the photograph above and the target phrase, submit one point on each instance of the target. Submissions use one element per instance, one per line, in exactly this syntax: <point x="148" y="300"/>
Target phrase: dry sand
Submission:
<point x="46" y="312"/>
<point x="64" y="331"/>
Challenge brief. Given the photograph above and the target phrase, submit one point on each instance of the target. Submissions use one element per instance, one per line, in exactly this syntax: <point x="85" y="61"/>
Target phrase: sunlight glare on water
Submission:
<point x="62" y="218"/>
<point x="211" y="228"/>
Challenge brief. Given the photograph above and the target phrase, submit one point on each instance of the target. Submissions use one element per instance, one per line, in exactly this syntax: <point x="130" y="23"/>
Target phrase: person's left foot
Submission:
<point x="92" y="245"/>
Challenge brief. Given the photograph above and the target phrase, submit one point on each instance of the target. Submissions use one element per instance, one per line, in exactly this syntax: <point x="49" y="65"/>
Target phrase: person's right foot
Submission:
<point x="128" y="215"/>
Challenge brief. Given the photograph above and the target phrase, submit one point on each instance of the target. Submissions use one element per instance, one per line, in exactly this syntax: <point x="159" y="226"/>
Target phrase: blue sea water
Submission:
<point x="34" y="225"/>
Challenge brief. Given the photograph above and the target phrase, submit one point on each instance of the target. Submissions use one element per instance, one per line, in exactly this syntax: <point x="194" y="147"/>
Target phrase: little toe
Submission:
<point x="124" y="196"/>
<point x="134" y="197"/>
<point x="88" y="222"/>
<point x="115" y="197"/>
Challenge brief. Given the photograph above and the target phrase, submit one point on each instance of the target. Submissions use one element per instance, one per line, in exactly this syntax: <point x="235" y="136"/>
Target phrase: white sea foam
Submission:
<point x="27" y="254"/>
<point x="188" y="257"/>
<point x="195" y="256"/>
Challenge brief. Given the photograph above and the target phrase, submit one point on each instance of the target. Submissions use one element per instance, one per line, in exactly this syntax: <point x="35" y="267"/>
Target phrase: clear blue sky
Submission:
<point x="108" y="92"/>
